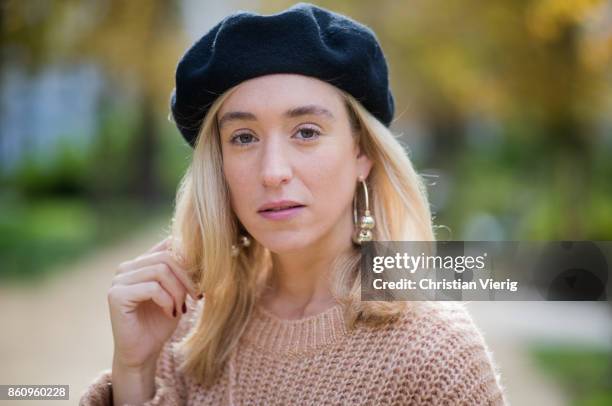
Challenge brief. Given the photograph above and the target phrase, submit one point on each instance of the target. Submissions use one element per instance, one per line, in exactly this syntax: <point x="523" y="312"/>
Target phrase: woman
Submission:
<point x="288" y="116"/>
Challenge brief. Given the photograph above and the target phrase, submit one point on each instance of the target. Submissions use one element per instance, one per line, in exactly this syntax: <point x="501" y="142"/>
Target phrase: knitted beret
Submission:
<point x="303" y="39"/>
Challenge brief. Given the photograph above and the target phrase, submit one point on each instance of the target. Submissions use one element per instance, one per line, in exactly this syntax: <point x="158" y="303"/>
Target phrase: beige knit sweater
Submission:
<point x="433" y="355"/>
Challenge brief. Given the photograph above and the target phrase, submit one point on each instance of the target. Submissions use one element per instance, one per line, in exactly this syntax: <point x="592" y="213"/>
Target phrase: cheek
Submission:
<point x="238" y="183"/>
<point x="332" y="181"/>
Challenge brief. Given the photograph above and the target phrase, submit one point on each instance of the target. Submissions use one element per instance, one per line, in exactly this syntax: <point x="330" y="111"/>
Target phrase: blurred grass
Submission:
<point x="585" y="373"/>
<point x="37" y="237"/>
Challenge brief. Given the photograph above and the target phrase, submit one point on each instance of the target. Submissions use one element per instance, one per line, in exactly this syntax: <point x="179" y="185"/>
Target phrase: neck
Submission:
<point x="301" y="278"/>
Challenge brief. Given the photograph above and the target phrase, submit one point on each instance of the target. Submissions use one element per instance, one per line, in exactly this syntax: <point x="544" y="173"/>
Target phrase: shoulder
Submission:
<point x="441" y="331"/>
<point x="444" y="352"/>
<point x="427" y="331"/>
<point x="443" y="319"/>
<point x="432" y="321"/>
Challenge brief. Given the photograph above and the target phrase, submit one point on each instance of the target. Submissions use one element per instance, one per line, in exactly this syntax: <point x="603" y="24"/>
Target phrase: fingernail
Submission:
<point x="174" y="312"/>
<point x="200" y="296"/>
<point x="184" y="308"/>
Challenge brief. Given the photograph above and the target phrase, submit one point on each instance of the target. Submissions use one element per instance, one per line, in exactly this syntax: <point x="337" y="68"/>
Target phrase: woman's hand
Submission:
<point x="146" y="301"/>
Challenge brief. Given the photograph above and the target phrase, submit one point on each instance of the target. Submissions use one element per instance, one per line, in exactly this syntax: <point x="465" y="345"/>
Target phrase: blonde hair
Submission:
<point x="206" y="227"/>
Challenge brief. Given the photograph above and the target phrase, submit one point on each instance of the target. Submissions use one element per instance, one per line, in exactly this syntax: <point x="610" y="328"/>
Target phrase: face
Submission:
<point x="287" y="138"/>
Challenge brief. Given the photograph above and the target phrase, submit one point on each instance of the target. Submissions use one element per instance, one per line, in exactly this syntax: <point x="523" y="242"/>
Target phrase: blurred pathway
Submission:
<point x="59" y="332"/>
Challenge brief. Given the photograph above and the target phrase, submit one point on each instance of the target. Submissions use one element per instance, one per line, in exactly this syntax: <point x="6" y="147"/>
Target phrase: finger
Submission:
<point x="163" y="244"/>
<point x="128" y="265"/>
<point x="161" y="273"/>
<point x="167" y="258"/>
<point x="141" y="292"/>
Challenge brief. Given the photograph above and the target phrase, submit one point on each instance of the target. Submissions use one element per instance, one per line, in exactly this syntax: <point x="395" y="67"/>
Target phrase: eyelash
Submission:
<point x="316" y="132"/>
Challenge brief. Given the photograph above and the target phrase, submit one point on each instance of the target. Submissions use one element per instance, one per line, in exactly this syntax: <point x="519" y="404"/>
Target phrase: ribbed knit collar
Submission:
<point x="270" y="332"/>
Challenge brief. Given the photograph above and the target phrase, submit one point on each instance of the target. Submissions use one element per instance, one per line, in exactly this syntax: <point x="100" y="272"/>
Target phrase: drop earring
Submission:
<point x="365" y="223"/>
<point x="243" y="241"/>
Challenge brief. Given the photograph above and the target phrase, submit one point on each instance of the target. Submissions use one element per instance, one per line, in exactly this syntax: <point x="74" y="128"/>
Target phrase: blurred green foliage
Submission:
<point x="53" y="211"/>
<point x="515" y="183"/>
<point x="38" y="236"/>
<point x="584" y="372"/>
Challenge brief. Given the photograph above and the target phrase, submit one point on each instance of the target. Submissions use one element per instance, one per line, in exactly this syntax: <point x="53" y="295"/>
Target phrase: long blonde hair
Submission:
<point x="206" y="227"/>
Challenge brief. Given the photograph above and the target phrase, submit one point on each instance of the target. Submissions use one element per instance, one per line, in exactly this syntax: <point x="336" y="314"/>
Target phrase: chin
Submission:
<point x="282" y="242"/>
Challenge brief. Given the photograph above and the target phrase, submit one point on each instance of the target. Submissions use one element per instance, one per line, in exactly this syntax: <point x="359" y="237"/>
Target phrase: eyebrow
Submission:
<point x="311" y="109"/>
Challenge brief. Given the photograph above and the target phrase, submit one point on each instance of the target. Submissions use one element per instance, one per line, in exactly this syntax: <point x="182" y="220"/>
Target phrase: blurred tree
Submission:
<point x="137" y="44"/>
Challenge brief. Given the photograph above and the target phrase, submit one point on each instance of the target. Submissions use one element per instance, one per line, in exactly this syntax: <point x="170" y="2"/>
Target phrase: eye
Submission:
<point x="309" y="134"/>
<point x="241" y="139"/>
<point x="244" y="139"/>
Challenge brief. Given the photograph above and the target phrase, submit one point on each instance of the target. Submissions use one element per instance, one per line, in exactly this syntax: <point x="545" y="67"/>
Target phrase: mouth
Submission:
<point x="284" y="208"/>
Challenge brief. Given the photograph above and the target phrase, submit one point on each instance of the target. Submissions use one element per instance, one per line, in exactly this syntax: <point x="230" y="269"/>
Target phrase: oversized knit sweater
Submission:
<point x="432" y="355"/>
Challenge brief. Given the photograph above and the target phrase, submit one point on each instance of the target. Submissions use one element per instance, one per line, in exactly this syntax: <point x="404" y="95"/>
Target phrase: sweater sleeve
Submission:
<point x="471" y="374"/>
<point x="170" y="387"/>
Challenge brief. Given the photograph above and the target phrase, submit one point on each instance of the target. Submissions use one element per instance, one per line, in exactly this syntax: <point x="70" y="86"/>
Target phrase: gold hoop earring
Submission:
<point x="243" y="241"/>
<point x="366" y="223"/>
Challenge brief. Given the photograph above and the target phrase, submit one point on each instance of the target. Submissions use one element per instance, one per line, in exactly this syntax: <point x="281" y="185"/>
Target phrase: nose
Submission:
<point x="275" y="165"/>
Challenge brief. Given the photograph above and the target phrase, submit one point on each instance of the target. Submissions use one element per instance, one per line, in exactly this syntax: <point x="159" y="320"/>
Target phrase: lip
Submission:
<point x="284" y="214"/>
<point x="278" y="203"/>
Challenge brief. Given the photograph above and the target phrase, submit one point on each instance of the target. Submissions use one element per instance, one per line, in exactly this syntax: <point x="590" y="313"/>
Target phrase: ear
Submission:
<point x="364" y="163"/>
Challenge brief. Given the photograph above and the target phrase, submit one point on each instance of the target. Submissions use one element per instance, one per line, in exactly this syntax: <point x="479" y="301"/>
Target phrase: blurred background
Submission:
<point x="504" y="106"/>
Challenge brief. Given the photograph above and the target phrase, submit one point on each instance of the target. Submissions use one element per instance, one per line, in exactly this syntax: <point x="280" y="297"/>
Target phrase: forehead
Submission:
<point x="277" y="92"/>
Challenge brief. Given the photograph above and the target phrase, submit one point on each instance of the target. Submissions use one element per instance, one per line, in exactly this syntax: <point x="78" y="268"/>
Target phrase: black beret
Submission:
<point x="303" y="39"/>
